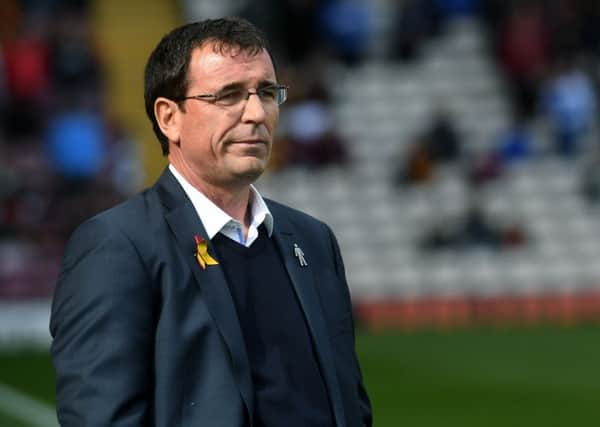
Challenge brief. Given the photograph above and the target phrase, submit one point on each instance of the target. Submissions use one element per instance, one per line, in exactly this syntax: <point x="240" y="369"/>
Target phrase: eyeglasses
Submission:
<point x="268" y="95"/>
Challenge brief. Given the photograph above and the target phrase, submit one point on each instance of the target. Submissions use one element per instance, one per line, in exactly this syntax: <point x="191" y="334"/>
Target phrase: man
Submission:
<point x="197" y="302"/>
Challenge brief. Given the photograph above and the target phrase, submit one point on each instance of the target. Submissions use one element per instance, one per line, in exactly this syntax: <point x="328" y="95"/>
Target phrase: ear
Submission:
<point x="167" y="115"/>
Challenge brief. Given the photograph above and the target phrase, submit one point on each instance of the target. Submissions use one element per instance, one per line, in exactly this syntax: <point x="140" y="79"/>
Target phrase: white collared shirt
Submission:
<point x="215" y="220"/>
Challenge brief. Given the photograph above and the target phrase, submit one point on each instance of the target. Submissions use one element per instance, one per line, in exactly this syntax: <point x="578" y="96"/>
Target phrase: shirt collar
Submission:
<point x="214" y="219"/>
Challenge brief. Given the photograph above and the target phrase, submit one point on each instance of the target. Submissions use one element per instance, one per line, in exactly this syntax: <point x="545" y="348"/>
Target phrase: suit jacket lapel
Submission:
<point x="305" y="287"/>
<point x="185" y="224"/>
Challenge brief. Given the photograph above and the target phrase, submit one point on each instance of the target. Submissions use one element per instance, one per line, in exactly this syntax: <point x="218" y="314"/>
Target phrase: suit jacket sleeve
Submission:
<point x="364" y="402"/>
<point x="102" y="323"/>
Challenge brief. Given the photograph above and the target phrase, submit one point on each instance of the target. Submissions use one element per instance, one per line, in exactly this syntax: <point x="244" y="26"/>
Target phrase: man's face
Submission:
<point x="229" y="146"/>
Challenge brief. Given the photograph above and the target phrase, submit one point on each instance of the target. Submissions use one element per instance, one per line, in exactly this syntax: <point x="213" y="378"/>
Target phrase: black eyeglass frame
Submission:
<point x="213" y="98"/>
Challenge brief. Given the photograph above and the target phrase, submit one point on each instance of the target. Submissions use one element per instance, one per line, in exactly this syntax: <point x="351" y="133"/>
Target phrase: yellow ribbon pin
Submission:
<point x="202" y="255"/>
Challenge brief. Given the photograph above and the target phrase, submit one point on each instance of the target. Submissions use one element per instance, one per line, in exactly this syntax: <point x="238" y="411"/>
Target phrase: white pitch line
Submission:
<point x="23" y="407"/>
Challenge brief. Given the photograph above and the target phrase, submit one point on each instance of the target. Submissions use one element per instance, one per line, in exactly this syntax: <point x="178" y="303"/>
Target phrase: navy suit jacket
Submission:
<point x="143" y="336"/>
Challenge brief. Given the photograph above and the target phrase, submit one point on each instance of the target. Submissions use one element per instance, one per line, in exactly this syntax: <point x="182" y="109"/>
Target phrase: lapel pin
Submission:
<point x="202" y="255"/>
<point x="298" y="253"/>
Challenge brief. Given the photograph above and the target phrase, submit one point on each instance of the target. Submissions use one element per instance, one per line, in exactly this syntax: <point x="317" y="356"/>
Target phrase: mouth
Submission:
<point x="249" y="142"/>
<point x="249" y="147"/>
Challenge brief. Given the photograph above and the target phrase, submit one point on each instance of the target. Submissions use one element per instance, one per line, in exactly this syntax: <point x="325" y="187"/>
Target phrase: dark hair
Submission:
<point x="167" y="67"/>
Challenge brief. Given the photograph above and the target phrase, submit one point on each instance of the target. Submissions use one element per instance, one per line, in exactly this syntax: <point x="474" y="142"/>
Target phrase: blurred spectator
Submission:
<point x="513" y="236"/>
<point x="439" y="237"/>
<point x="41" y="8"/>
<point x="26" y="61"/>
<point x="9" y="188"/>
<point x="76" y="147"/>
<point x="494" y="14"/>
<point x="474" y="230"/>
<point x="515" y="144"/>
<point x="512" y="146"/>
<point x="484" y="167"/>
<point x="346" y="27"/>
<point x="276" y="20"/>
<point x="75" y="64"/>
<point x="570" y="101"/>
<point x="437" y="144"/>
<point x="310" y="133"/>
<point x="524" y="52"/>
<point x="449" y="9"/>
<point x="415" y="22"/>
<point x="444" y="140"/>
<point x="589" y="24"/>
<point x="27" y="79"/>
<point x="291" y="25"/>
<point x="417" y="165"/>
<point x="564" y="25"/>
<point x="301" y="32"/>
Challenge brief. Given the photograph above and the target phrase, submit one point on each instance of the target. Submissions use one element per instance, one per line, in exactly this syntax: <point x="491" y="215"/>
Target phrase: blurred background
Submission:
<point x="452" y="145"/>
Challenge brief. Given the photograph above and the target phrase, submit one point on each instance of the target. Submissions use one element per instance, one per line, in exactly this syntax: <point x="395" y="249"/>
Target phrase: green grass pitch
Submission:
<point x="484" y="377"/>
<point x="474" y="377"/>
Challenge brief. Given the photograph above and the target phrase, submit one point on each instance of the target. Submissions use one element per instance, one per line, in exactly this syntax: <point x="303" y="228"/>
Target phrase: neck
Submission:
<point x="234" y="203"/>
<point x="233" y="199"/>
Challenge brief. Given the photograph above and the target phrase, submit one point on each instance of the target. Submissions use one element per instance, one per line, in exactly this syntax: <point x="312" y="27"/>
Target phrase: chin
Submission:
<point x="252" y="167"/>
<point x="254" y="174"/>
<point x="249" y="175"/>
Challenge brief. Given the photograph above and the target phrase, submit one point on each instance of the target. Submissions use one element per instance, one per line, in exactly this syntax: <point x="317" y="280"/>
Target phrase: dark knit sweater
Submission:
<point x="288" y="387"/>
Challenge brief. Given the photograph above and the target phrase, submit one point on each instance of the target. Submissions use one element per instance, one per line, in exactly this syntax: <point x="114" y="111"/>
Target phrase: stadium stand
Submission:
<point x="531" y="252"/>
<point x="378" y="107"/>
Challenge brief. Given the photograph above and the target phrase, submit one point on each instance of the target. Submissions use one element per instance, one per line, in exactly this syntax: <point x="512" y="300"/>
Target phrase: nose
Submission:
<point x="254" y="110"/>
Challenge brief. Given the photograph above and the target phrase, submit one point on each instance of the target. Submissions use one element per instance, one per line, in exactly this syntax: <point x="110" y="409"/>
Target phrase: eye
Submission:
<point x="229" y="97"/>
<point x="268" y="93"/>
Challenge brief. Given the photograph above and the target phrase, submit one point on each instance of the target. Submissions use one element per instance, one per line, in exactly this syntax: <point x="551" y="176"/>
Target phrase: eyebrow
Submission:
<point x="240" y="85"/>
